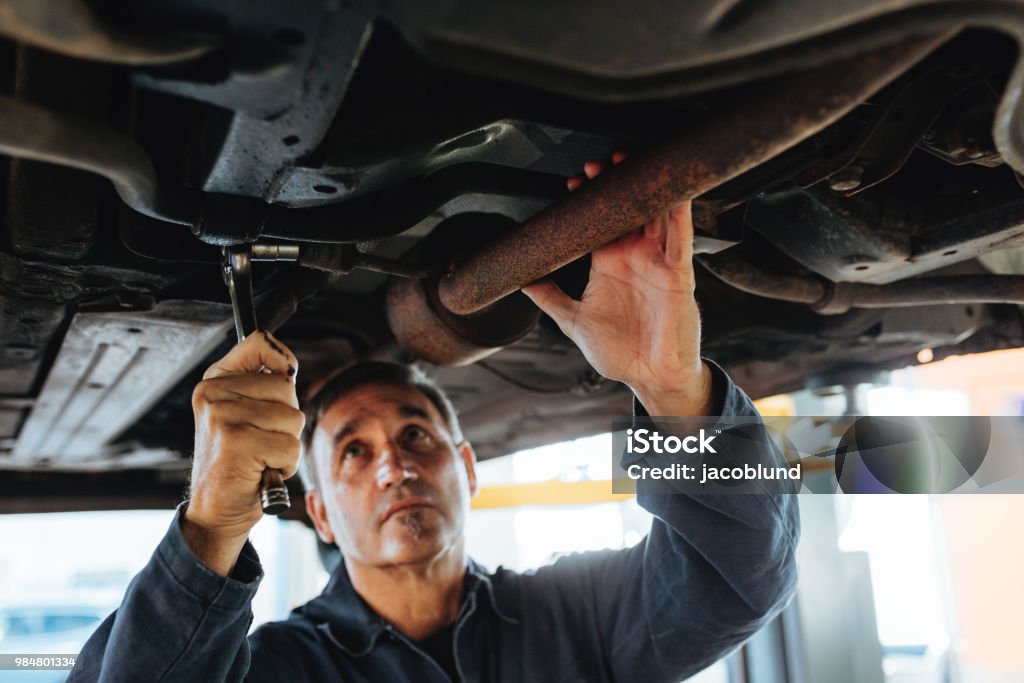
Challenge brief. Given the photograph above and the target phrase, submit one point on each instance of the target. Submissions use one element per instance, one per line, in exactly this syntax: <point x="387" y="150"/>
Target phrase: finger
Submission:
<point x="574" y="182"/>
<point x="258" y="350"/>
<point x="618" y="157"/>
<point x="549" y="298"/>
<point x="267" y="416"/>
<point x="656" y="230"/>
<point x="679" y="234"/>
<point x="272" y="450"/>
<point x="277" y="388"/>
<point x="592" y="169"/>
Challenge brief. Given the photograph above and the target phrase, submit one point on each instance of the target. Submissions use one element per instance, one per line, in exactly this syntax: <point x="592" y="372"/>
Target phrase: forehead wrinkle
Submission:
<point x="414" y="404"/>
<point x="407" y="410"/>
<point x="404" y="410"/>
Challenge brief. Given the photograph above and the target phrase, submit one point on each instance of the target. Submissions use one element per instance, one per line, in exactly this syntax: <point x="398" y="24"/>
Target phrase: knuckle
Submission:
<point x="298" y="420"/>
<point x="276" y="386"/>
<point x="201" y="393"/>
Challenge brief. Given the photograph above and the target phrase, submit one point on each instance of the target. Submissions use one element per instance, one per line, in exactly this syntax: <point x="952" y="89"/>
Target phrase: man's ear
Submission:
<point x="469" y="460"/>
<point x="318" y="513"/>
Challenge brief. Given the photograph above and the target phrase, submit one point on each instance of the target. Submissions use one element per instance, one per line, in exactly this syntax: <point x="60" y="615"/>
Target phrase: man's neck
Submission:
<point x="419" y="598"/>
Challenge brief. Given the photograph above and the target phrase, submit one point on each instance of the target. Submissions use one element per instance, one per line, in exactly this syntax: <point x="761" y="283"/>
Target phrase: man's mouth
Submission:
<point x="405" y="504"/>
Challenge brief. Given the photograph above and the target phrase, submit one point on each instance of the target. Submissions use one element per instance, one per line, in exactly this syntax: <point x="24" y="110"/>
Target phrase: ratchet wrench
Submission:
<point x="238" y="278"/>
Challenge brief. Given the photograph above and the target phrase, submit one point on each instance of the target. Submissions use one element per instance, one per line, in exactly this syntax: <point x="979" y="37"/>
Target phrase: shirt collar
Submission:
<point x="343" y="616"/>
<point x="352" y="625"/>
<point x="479" y="579"/>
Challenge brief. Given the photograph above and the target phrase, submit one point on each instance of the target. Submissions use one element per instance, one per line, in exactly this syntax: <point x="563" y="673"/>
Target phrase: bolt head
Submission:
<point x="846" y="179"/>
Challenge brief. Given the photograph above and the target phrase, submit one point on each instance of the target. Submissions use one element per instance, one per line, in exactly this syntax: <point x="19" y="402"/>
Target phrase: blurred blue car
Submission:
<point x="58" y="629"/>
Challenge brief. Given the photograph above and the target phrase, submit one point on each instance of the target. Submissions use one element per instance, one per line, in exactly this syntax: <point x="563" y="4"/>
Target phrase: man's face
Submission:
<point x="394" y="488"/>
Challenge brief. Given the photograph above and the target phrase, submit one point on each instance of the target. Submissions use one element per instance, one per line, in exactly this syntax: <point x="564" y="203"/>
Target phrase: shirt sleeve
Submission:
<point x="713" y="570"/>
<point x="179" y="620"/>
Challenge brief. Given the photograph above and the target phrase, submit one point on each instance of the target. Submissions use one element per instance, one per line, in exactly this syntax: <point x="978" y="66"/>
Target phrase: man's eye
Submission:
<point x="414" y="434"/>
<point x="353" y="450"/>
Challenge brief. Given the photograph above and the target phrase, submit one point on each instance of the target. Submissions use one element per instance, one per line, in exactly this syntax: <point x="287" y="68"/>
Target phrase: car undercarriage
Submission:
<point x="397" y="171"/>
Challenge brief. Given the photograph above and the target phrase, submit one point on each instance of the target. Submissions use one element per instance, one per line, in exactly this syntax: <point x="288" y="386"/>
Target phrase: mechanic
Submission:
<point x="389" y="480"/>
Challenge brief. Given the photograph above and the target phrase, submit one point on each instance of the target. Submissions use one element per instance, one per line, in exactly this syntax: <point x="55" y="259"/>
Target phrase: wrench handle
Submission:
<point x="238" y="277"/>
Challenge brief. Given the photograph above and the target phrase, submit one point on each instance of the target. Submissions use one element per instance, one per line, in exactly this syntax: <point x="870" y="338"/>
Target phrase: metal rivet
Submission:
<point x="846" y="179"/>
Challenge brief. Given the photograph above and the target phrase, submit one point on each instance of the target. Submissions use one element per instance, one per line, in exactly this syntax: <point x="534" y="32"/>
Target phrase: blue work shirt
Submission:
<point x="713" y="570"/>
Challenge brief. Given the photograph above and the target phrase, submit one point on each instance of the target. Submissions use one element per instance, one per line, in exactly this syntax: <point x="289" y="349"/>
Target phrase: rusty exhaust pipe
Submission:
<point x="699" y="159"/>
<point x="834" y="298"/>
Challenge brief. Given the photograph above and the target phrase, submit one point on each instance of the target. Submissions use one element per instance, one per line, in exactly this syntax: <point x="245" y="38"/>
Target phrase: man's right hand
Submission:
<point x="247" y="420"/>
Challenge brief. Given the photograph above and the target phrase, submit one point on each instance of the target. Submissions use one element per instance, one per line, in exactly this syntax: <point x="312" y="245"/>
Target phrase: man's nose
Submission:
<point x="393" y="468"/>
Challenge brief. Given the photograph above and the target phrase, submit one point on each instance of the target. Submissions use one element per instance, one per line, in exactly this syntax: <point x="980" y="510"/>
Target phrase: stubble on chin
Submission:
<point x="413" y="522"/>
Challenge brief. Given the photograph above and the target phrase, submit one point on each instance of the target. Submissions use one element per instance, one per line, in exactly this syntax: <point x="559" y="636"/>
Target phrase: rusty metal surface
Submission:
<point x="418" y="330"/>
<point x="422" y="326"/>
<point x="698" y="160"/>
<point x="747" y="276"/>
<point x="952" y="289"/>
<point x="829" y="298"/>
<point x="72" y="28"/>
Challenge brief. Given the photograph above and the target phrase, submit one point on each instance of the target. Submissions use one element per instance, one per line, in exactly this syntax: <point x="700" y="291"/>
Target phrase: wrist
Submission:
<point x="690" y="395"/>
<point x="215" y="547"/>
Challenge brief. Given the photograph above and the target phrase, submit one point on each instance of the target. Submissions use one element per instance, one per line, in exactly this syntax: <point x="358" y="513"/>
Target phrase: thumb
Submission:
<point x="259" y="351"/>
<point x="552" y="300"/>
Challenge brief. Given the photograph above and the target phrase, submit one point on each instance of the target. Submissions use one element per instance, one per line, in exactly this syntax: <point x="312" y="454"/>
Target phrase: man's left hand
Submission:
<point x="637" y="322"/>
